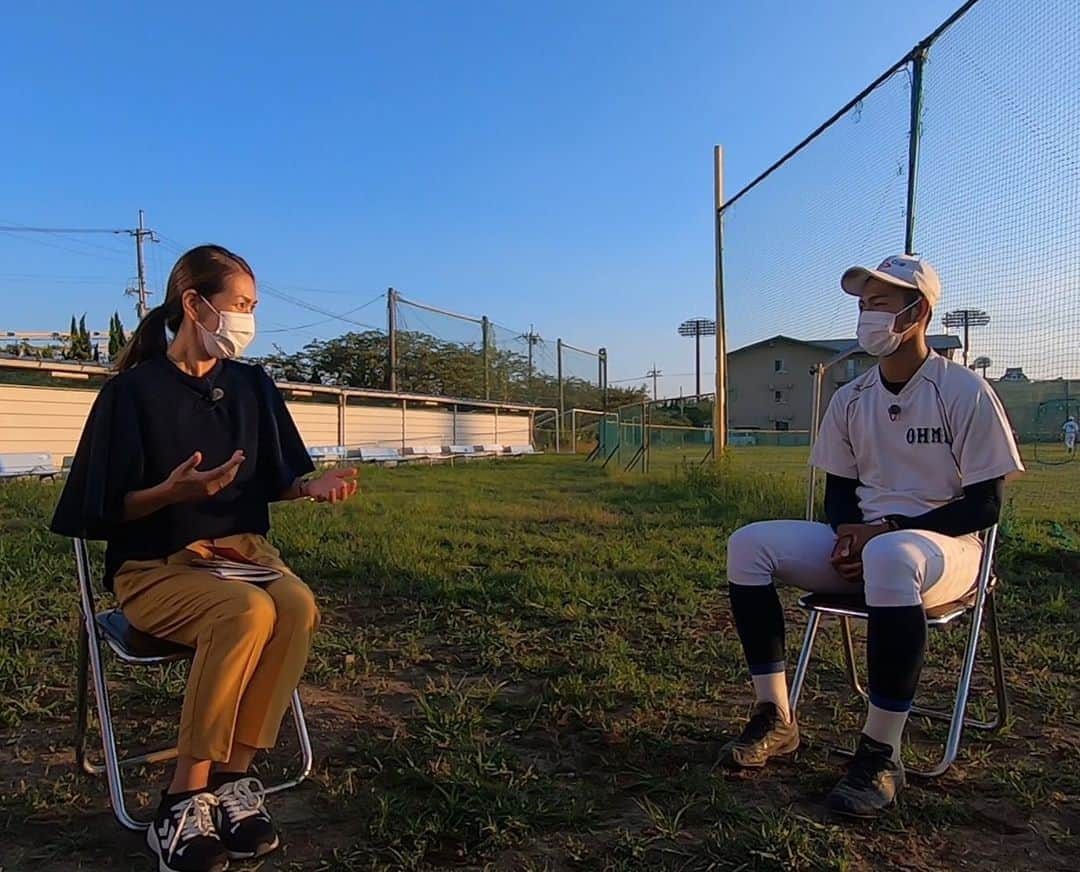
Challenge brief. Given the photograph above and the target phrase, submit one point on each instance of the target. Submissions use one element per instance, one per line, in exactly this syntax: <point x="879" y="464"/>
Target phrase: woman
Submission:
<point x="181" y="456"/>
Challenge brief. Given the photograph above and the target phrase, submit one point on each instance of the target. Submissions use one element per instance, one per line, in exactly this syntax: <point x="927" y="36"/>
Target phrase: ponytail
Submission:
<point x="149" y="339"/>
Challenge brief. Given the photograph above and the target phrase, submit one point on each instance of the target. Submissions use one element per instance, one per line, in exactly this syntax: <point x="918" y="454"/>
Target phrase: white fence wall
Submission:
<point x="50" y="419"/>
<point x="42" y="419"/>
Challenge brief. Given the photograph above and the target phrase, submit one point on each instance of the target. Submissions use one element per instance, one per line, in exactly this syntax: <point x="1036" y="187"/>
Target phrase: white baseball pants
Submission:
<point x="902" y="568"/>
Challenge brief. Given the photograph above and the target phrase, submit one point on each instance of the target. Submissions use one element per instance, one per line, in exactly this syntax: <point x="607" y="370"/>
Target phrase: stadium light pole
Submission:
<point x="697" y="327"/>
<point x="966" y="319"/>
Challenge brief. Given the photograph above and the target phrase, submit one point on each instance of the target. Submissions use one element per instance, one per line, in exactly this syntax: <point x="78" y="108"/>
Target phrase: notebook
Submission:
<point x="230" y="565"/>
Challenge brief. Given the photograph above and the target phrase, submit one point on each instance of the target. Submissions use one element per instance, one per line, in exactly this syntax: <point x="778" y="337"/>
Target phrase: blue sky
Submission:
<point x="546" y="164"/>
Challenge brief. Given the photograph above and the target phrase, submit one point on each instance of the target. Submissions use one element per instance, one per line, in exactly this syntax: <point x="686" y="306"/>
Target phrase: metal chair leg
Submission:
<point x="1001" y="696"/>
<point x="1001" y="690"/>
<point x="82" y="698"/>
<point x="963" y="691"/>
<point x="108" y="737"/>
<point x="306" y="754"/>
<point x="804" y="661"/>
<point x="849" y="657"/>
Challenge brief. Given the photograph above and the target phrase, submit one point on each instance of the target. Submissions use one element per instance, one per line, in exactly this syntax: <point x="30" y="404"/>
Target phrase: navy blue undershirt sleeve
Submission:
<point x="842" y="501"/>
<point x="977" y="509"/>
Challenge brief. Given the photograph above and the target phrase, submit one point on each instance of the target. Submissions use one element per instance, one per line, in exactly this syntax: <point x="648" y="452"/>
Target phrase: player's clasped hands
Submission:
<point x="333" y="486"/>
<point x="847" y="552"/>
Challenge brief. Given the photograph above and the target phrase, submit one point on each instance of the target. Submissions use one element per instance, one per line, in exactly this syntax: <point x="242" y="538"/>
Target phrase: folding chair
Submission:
<point x="134" y="648"/>
<point x="979" y="601"/>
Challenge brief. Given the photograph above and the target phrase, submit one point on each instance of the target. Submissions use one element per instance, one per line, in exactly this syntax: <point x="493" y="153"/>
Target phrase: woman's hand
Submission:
<point x="333" y="486"/>
<point x="186" y="484"/>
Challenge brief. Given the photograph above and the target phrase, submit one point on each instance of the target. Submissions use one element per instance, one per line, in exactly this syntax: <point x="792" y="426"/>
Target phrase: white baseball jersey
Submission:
<point x="915" y="451"/>
<point x="1071" y="428"/>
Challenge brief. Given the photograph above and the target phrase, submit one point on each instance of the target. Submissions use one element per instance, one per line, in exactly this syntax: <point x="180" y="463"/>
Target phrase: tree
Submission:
<point x="437" y="367"/>
<point x="79" y="347"/>
<point x="117" y="337"/>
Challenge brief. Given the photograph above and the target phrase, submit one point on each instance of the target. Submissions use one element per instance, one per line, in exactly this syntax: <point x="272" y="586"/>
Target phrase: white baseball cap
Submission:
<point x="902" y="270"/>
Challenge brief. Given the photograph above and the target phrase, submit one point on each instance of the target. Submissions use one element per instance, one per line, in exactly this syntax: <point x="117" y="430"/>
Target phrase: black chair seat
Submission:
<point x="854" y="606"/>
<point x="135" y="645"/>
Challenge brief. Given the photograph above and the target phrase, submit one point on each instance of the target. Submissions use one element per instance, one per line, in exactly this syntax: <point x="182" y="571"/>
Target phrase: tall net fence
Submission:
<point x="992" y="172"/>
<point x="436" y="351"/>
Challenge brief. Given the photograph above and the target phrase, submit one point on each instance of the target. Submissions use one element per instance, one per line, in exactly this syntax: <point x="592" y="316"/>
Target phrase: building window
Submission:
<point x="778" y="397"/>
<point x="778" y="365"/>
<point x="781" y="425"/>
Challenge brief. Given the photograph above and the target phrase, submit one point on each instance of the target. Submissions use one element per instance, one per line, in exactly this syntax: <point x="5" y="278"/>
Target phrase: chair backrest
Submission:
<point x="85" y="573"/>
<point x="987" y="576"/>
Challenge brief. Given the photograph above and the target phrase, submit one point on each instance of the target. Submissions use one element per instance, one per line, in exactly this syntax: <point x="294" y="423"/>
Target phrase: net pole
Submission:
<point x="391" y="345"/>
<point x="485" y="329"/>
<point x="603" y="379"/>
<point x="918" y="62"/>
<point x="720" y="404"/>
<point x="558" y="365"/>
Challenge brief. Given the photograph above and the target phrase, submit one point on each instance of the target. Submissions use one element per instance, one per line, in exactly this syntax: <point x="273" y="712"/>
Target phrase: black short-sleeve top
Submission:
<point x="148" y="420"/>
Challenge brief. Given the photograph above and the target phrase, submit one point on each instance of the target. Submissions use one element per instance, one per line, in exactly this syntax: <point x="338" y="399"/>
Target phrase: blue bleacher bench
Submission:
<point x="31" y="465"/>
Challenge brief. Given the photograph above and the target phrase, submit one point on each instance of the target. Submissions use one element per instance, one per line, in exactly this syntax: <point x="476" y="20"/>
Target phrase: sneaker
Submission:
<point x="765" y="735"/>
<point x="183" y="836"/>
<point x="242" y="821"/>
<point x="871" y="783"/>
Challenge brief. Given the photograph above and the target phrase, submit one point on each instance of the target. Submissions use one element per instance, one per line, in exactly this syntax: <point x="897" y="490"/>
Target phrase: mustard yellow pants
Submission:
<point x="251" y="641"/>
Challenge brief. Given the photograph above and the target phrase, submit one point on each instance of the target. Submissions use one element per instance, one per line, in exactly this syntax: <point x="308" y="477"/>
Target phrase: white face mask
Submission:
<point x="875" y="331"/>
<point x="235" y="332"/>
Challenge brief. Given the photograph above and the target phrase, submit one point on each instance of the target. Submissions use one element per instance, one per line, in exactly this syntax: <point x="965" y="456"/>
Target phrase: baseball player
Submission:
<point x="915" y="452"/>
<point x="1070" y="429"/>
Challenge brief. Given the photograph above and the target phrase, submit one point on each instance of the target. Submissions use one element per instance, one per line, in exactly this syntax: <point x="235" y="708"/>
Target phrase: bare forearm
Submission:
<point x="140" y="503"/>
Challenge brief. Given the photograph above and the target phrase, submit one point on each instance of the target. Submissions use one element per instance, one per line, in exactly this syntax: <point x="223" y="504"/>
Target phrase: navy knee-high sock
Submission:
<point x="895" y="650"/>
<point x="759" y="618"/>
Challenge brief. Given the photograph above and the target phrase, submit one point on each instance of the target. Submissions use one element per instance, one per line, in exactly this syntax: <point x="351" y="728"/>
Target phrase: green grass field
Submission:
<point x="531" y="665"/>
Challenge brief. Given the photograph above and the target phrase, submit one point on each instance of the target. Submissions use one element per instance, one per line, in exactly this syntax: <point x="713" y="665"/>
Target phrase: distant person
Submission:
<point x="1070" y="428"/>
<point x="179" y="461"/>
<point x="915" y="452"/>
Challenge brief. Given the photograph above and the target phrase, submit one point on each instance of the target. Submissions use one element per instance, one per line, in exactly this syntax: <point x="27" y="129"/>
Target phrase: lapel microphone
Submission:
<point x="894" y="412"/>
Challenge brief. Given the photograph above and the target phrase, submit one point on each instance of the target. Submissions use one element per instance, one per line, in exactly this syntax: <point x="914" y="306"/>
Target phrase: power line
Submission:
<point x="373" y="300"/>
<point x="270" y="290"/>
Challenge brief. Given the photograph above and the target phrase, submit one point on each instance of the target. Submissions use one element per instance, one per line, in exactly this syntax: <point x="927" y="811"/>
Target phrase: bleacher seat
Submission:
<point x="520" y="450"/>
<point x="27" y="465"/>
<point x="379" y="455"/>
<point x="323" y="455"/>
<point x="430" y="453"/>
<point x="489" y="449"/>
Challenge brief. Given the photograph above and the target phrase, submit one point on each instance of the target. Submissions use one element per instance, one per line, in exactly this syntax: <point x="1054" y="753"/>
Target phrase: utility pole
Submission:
<point x="654" y="374"/>
<point x="140" y="233"/>
<point x="532" y="337"/>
